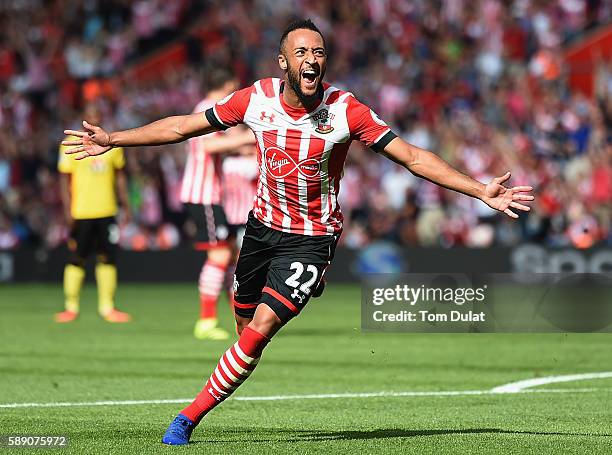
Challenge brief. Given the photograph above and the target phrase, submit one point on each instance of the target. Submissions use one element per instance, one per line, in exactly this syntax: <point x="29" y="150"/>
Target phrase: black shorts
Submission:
<point x="279" y="269"/>
<point x="96" y="235"/>
<point x="212" y="227"/>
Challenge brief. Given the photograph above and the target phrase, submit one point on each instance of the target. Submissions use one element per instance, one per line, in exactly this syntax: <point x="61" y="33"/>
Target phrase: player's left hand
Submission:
<point x="94" y="141"/>
<point x="498" y="197"/>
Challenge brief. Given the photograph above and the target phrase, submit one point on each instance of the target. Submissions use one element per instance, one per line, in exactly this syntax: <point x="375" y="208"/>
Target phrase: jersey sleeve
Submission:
<point x="230" y="110"/>
<point x="367" y="127"/>
<point x="65" y="163"/>
<point x="118" y="158"/>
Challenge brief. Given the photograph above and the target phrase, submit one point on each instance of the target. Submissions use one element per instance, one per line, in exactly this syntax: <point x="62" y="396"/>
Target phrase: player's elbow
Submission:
<point x="180" y="131"/>
<point x="405" y="155"/>
<point x="414" y="159"/>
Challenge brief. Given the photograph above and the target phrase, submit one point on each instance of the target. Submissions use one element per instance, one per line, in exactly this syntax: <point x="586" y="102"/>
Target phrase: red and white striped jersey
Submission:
<point x="239" y="184"/>
<point x="301" y="153"/>
<point x="202" y="176"/>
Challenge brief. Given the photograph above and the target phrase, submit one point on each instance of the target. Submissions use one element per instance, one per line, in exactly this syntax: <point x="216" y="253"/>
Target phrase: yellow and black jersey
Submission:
<point x="92" y="185"/>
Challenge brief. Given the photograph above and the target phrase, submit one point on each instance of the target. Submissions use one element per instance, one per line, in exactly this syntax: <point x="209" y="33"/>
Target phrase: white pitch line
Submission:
<point x="520" y="386"/>
<point x="436" y="393"/>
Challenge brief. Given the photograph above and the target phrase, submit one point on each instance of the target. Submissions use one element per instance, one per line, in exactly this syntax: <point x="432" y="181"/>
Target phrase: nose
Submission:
<point x="310" y="58"/>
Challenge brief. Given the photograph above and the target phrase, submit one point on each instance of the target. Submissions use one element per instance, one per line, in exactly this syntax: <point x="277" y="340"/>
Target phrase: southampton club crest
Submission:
<point x="323" y="119"/>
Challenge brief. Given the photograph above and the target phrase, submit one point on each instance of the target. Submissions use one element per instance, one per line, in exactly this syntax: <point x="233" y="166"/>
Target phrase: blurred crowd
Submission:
<point x="481" y="82"/>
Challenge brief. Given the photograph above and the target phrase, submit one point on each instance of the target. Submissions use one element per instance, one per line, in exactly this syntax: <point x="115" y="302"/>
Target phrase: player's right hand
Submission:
<point x="94" y="141"/>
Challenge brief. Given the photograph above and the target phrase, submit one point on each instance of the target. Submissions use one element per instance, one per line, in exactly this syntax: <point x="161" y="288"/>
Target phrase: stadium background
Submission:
<point x="491" y="85"/>
<point x="486" y="84"/>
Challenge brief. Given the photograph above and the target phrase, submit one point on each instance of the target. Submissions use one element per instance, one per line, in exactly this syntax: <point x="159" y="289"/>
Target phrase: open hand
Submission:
<point x="94" y="141"/>
<point x="498" y="197"/>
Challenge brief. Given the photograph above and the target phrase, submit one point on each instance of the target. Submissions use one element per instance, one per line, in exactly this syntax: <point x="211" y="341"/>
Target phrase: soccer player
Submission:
<point x="201" y="193"/>
<point x="90" y="205"/>
<point x="303" y="129"/>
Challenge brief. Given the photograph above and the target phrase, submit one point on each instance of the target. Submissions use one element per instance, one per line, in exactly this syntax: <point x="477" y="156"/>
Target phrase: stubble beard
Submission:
<point x="293" y="77"/>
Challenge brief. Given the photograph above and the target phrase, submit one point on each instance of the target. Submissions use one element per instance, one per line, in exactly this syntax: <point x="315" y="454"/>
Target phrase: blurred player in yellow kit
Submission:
<point x="90" y="205"/>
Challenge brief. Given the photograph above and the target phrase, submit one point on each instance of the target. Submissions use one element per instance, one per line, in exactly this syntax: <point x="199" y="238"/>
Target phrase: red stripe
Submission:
<point x="267" y="87"/>
<point x="245" y="305"/>
<point x="229" y="380"/>
<point x="191" y="169"/>
<point x="292" y="147"/>
<point x="231" y="368"/>
<point x="313" y="188"/>
<point x="239" y="361"/>
<point x="269" y="140"/>
<point x="281" y="299"/>
<point x="203" y="246"/>
<point x="333" y="97"/>
<point x="217" y="164"/>
<point x="219" y="386"/>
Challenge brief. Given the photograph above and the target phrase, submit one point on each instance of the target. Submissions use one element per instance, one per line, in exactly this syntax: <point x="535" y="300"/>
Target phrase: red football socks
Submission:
<point x="233" y="368"/>
<point x="210" y="284"/>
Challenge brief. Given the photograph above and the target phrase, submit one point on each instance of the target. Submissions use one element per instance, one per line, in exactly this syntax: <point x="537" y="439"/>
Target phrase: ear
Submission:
<point x="282" y="62"/>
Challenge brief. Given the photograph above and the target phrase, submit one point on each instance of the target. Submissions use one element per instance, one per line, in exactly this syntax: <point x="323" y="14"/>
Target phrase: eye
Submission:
<point x="299" y="53"/>
<point x="319" y="53"/>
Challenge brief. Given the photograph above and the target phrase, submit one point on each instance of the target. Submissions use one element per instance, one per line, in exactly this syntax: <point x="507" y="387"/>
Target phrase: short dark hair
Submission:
<point x="306" y="24"/>
<point x="218" y="77"/>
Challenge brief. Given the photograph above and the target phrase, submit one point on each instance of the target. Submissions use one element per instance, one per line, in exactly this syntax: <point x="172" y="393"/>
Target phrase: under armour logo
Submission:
<point x="296" y="295"/>
<point x="264" y="116"/>
<point x="214" y="395"/>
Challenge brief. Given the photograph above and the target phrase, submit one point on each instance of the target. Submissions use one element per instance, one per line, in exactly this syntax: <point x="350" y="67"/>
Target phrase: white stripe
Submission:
<point x="381" y="136"/>
<point x="334" y="205"/>
<point x="245" y="358"/>
<point x="208" y="186"/>
<point x="188" y="173"/>
<point x="265" y="194"/>
<point x="229" y="373"/>
<point x="282" y="202"/>
<point x="303" y="184"/>
<point x="236" y="366"/>
<point x="216" y="386"/>
<point x="258" y="88"/>
<point x="223" y="382"/>
<point x="325" y="186"/>
<point x="281" y="140"/>
<point x="212" y="273"/>
<point x="344" y="96"/>
<point x="199" y="162"/>
<point x="519" y="386"/>
<point x="331" y="89"/>
<point x="276" y="86"/>
<point x="435" y="393"/>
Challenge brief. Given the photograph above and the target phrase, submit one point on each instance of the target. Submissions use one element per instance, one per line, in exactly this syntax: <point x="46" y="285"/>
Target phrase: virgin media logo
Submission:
<point x="280" y="165"/>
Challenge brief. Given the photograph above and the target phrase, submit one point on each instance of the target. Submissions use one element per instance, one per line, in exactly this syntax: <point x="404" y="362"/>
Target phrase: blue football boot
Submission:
<point x="179" y="431"/>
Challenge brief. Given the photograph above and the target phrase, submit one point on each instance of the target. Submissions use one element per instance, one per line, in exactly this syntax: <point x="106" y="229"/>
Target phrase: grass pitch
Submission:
<point x="320" y="352"/>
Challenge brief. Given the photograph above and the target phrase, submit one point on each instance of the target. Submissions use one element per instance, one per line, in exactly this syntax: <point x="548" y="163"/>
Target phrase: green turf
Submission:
<point x="322" y="351"/>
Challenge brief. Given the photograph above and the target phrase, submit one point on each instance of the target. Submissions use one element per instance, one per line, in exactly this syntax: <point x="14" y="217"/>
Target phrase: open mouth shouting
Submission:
<point x="310" y="80"/>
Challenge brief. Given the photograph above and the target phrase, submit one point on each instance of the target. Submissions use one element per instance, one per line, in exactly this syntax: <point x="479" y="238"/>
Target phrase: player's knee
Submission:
<point x="266" y="321"/>
<point x="220" y="256"/>
<point x="241" y="322"/>
<point x="77" y="261"/>
<point x="240" y="325"/>
<point x="105" y="259"/>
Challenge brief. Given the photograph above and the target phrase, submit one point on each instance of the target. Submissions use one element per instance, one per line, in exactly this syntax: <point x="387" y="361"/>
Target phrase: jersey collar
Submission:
<point x="296" y="113"/>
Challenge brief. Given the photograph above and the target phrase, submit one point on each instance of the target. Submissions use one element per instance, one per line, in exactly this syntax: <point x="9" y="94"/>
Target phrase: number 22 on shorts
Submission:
<point x="299" y="270"/>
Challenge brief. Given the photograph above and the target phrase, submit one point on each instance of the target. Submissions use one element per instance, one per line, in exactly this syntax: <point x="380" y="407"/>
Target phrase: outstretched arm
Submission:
<point x="169" y="130"/>
<point x="431" y="167"/>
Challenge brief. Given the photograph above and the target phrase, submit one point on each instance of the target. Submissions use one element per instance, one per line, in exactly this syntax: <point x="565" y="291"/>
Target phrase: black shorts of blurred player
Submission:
<point x="212" y="228"/>
<point x="96" y="235"/>
<point x="282" y="270"/>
